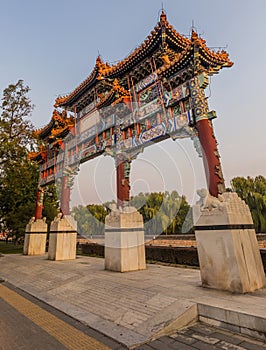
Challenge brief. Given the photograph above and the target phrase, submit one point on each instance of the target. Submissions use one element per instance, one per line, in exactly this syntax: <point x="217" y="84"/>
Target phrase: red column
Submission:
<point x="122" y="182"/>
<point x="39" y="204"/>
<point x="65" y="197"/>
<point x="211" y="157"/>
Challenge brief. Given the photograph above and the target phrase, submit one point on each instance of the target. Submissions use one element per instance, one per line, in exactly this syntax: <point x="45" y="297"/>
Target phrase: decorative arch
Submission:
<point x="156" y="92"/>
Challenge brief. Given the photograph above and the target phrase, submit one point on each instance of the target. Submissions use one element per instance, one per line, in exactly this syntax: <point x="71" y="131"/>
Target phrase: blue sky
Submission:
<point x="52" y="46"/>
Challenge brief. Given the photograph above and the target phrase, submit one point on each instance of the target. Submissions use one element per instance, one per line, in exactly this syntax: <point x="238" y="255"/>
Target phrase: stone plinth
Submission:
<point x="35" y="237"/>
<point x="227" y="246"/>
<point x="124" y="241"/>
<point x="63" y="238"/>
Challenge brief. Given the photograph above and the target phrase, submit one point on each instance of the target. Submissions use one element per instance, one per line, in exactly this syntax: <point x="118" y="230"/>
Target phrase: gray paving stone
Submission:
<point x="144" y="347"/>
<point x="230" y="338"/>
<point x="158" y="345"/>
<point x="186" y="331"/>
<point x="181" y="346"/>
<point x="229" y="346"/>
<point x="166" y="340"/>
<point x="204" y="346"/>
<point x="205" y="338"/>
<point x="202" y="328"/>
<point x="252" y="346"/>
<point x="183" y="339"/>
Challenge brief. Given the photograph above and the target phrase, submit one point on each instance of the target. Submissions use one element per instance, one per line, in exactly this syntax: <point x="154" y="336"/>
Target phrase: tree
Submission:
<point x="17" y="197"/>
<point x="162" y="213"/>
<point x="18" y="175"/>
<point x="90" y="219"/>
<point x="16" y="132"/>
<point x="253" y="192"/>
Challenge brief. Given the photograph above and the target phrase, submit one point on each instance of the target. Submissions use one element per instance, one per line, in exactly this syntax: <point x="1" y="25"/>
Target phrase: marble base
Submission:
<point x="124" y="241"/>
<point x="63" y="238"/>
<point x="228" y="250"/>
<point x="35" y="237"/>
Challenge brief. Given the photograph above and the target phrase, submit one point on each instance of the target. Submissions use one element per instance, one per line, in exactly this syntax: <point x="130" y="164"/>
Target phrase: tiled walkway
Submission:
<point x="201" y="337"/>
<point x="129" y="308"/>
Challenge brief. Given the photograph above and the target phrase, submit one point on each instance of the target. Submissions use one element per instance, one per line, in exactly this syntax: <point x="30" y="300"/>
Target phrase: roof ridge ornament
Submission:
<point x="102" y="67"/>
<point x="163" y="17"/>
<point x="195" y="38"/>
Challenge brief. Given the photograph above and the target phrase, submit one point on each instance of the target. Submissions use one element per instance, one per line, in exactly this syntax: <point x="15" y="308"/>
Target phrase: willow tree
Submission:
<point x="253" y="192"/>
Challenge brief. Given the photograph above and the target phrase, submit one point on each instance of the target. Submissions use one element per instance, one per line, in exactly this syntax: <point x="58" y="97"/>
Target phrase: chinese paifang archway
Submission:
<point x="157" y="92"/>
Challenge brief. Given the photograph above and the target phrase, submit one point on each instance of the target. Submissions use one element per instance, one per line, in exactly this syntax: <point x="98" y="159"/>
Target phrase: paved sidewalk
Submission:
<point x="27" y="323"/>
<point x="134" y="307"/>
<point x="203" y="337"/>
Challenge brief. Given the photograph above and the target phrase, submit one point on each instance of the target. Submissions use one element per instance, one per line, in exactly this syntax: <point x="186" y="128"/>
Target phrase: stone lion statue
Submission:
<point x="207" y="201"/>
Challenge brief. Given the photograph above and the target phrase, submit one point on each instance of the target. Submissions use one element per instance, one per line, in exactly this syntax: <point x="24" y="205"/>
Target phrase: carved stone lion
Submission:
<point x="207" y="201"/>
<point x="114" y="210"/>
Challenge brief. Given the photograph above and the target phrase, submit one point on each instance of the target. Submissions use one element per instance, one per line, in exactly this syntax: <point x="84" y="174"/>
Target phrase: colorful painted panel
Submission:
<point x="156" y="115"/>
<point x="87" y="134"/>
<point x="177" y="94"/>
<point x="145" y="110"/>
<point x="125" y="144"/>
<point x="146" y="82"/>
<point x="199" y="102"/>
<point x="86" y="110"/>
<point x="150" y="94"/>
<point x="88" y="151"/>
<point x="153" y="133"/>
<point x="89" y="121"/>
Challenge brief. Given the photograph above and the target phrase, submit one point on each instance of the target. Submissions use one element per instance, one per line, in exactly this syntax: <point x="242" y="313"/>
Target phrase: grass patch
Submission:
<point x="10" y="248"/>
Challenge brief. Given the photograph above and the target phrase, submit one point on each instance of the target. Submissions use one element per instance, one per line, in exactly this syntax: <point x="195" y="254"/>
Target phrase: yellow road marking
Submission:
<point x="69" y="336"/>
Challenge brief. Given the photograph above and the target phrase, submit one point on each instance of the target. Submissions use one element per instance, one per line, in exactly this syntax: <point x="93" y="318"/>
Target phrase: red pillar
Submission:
<point x="211" y="157"/>
<point x="39" y="204"/>
<point x="65" y="197"/>
<point x="122" y="182"/>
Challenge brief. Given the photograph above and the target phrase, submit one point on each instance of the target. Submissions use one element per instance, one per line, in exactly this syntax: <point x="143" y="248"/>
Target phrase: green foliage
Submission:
<point x="253" y="192"/>
<point x="162" y="213"/>
<point x="18" y="175"/>
<point x="90" y="219"/>
<point x="16" y="132"/>
<point x="17" y="196"/>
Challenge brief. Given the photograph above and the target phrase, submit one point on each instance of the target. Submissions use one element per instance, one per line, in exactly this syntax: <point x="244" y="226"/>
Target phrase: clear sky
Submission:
<point x="52" y="46"/>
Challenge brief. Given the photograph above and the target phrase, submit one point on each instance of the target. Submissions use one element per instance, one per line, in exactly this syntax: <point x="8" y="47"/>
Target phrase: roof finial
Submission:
<point x="163" y="15"/>
<point x="99" y="60"/>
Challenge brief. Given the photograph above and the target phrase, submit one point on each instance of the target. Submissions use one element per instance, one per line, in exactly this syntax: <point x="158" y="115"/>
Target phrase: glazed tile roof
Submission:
<point x="57" y="125"/>
<point x="163" y="31"/>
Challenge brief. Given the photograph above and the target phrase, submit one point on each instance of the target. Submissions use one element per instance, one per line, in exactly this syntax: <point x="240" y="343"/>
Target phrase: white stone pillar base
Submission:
<point x="124" y="241"/>
<point x="227" y="246"/>
<point x="63" y="238"/>
<point x="35" y="237"/>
